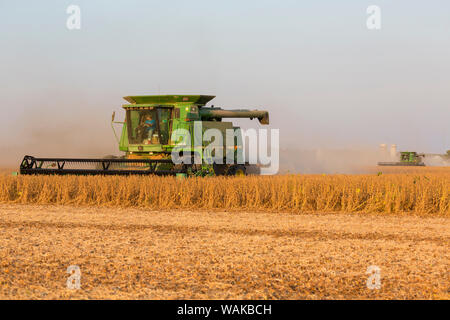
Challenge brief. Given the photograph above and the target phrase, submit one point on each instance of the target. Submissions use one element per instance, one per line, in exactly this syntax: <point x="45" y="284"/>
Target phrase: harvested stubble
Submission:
<point x="393" y="193"/>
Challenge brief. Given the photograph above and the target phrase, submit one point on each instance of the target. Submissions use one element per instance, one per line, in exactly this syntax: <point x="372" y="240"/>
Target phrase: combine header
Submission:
<point x="61" y="166"/>
<point x="146" y="140"/>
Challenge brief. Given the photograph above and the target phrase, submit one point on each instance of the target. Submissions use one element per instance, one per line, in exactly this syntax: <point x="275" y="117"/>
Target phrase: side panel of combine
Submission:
<point x="123" y="143"/>
<point x="221" y="128"/>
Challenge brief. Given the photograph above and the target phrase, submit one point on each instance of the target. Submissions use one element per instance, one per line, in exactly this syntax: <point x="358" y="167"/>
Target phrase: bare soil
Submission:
<point x="141" y="254"/>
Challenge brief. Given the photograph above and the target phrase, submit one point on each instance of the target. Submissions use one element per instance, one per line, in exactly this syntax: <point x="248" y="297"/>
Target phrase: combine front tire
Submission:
<point x="220" y="169"/>
<point x="236" y="170"/>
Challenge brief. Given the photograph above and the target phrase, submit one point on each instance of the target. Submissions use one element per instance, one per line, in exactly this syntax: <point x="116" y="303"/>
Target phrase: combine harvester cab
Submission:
<point x="146" y="140"/>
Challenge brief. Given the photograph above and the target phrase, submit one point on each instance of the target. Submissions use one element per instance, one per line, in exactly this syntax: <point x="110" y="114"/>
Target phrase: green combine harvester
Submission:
<point x="407" y="158"/>
<point x="146" y="140"/>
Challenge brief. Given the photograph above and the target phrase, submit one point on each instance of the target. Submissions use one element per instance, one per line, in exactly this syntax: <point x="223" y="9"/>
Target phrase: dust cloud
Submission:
<point x="84" y="133"/>
<point x="436" y="160"/>
<point x="346" y="161"/>
<point x="328" y="161"/>
<point x="44" y="132"/>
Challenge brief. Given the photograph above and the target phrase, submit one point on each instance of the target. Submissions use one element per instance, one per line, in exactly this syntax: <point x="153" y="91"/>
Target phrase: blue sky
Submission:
<point x="326" y="79"/>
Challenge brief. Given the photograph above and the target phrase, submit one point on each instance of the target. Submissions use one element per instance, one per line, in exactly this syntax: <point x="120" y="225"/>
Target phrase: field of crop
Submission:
<point x="133" y="253"/>
<point x="415" y="191"/>
<point x="278" y="237"/>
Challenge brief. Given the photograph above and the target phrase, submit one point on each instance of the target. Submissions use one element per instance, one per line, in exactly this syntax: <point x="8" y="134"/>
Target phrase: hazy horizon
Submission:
<point x="327" y="81"/>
